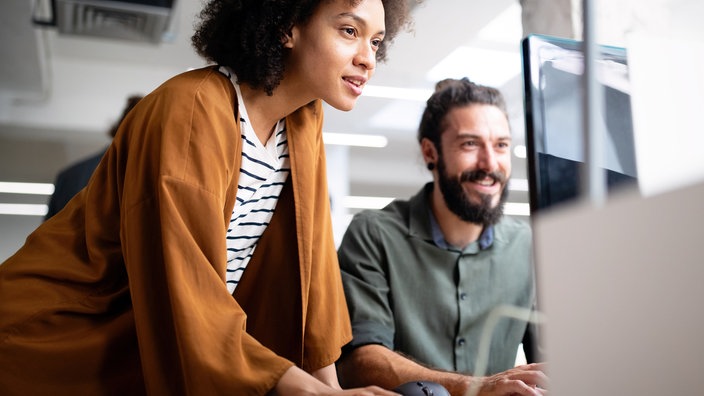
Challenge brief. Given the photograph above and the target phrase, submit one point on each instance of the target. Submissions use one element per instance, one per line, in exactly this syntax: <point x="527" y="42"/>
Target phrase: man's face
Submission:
<point x="475" y="162"/>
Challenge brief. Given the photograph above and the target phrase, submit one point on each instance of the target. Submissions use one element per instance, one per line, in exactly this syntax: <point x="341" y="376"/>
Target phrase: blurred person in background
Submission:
<point x="75" y="177"/>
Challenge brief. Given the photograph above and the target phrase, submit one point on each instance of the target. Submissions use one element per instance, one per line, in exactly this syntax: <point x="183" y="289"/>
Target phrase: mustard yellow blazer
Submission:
<point x="123" y="292"/>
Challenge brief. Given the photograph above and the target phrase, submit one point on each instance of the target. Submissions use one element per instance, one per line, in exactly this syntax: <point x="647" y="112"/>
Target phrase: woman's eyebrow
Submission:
<point x="357" y="19"/>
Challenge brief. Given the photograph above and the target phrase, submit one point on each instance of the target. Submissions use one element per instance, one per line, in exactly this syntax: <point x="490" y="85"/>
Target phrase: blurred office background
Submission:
<point x="62" y="86"/>
<point x="621" y="285"/>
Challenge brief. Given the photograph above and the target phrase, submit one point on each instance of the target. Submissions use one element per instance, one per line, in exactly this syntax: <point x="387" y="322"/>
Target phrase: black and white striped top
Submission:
<point x="263" y="172"/>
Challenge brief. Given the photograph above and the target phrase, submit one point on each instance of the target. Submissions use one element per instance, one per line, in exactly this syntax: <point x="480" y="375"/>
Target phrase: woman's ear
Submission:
<point x="287" y="41"/>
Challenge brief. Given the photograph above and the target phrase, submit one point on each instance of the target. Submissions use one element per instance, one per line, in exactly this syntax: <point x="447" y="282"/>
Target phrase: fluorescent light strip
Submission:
<point x="516" y="209"/>
<point x="379" y="91"/>
<point x="362" y="202"/>
<point x="27" y="188"/>
<point x="496" y="68"/>
<point x="350" y="139"/>
<point x="24" y="209"/>
<point x="518" y="184"/>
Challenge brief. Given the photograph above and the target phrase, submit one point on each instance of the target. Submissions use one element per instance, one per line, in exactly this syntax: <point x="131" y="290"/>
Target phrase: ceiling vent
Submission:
<point x="135" y="20"/>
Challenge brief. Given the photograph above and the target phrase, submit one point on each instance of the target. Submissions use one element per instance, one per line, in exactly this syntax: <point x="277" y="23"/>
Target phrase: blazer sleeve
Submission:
<point x="175" y="157"/>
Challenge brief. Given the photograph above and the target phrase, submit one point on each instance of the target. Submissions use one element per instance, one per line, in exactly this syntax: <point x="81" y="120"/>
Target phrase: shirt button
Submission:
<point x="463" y="296"/>
<point x="460" y="342"/>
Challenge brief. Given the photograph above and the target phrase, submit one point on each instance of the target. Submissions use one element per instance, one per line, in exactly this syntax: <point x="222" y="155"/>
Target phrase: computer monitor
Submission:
<point x="553" y="94"/>
<point x="619" y="284"/>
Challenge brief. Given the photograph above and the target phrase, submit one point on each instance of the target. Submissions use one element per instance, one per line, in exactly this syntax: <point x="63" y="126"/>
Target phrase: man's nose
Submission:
<point x="487" y="159"/>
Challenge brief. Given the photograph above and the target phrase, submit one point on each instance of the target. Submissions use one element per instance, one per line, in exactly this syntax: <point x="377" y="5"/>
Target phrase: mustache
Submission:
<point x="478" y="174"/>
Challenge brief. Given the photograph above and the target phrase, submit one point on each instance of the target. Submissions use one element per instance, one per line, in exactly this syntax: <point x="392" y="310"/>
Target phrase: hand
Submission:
<point x="368" y="391"/>
<point x="525" y="380"/>
<point x="328" y="376"/>
<point x="297" y="382"/>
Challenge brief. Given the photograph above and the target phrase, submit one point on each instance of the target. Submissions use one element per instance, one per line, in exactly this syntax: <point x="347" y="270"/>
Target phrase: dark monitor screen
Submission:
<point x="553" y="93"/>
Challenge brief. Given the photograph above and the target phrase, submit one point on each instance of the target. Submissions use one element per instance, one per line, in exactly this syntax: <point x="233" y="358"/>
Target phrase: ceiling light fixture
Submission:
<point x="351" y="139"/>
<point x="26" y="188"/>
<point x="414" y="94"/>
<point x="483" y="66"/>
<point x="506" y="28"/>
<point x="24" y="209"/>
<point x="516" y="209"/>
<point x="520" y="151"/>
<point x="515" y="184"/>
<point x="363" y="202"/>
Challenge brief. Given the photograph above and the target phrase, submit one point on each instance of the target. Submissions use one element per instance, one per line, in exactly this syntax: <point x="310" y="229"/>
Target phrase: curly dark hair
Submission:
<point x="247" y="35"/>
<point x="449" y="94"/>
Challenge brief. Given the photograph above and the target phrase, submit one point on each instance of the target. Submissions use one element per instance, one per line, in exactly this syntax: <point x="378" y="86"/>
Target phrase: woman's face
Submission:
<point x="334" y="54"/>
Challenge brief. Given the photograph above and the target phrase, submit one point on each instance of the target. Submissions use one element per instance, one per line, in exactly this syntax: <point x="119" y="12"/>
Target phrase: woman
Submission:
<point x="213" y="188"/>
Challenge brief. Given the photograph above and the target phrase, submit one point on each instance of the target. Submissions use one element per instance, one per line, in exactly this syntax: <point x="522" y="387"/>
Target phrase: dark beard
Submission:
<point x="459" y="204"/>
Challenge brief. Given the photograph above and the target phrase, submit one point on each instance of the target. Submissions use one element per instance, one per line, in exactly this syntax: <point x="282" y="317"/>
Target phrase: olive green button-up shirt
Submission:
<point x="416" y="295"/>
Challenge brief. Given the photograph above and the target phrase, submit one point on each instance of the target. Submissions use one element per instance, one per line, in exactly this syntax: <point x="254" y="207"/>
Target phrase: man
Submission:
<point x="71" y="180"/>
<point x="422" y="276"/>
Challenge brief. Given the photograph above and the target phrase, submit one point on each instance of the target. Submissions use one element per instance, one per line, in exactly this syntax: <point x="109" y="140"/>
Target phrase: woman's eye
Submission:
<point x="376" y="43"/>
<point x="349" y="31"/>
